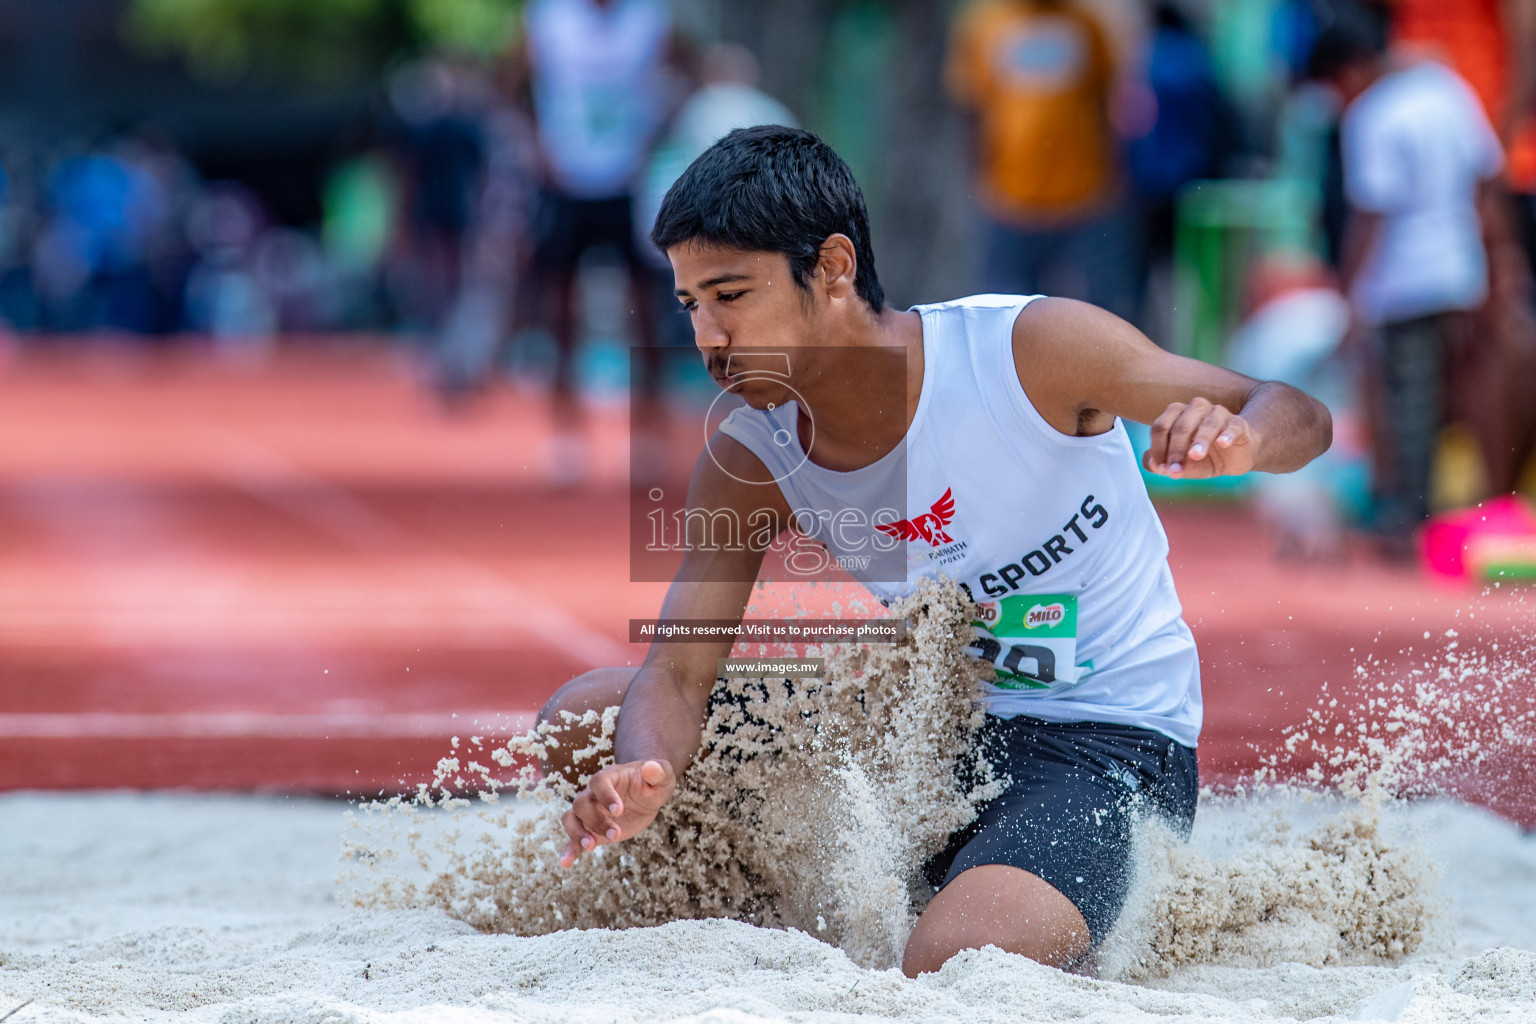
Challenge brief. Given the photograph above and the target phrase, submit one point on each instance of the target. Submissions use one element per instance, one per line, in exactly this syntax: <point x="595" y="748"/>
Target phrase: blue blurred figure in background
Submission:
<point x="91" y="258"/>
<point x="1188" y="133"/>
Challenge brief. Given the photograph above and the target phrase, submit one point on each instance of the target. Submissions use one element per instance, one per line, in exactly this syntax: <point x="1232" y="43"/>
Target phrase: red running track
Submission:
<point x="294" y="576"/>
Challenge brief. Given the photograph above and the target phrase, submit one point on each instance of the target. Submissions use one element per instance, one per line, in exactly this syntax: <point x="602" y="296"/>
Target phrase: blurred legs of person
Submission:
<point x="570" y="227"/>
<point x="467" y="345"/>
<point x="491" y="293"/>
<point x="1491" y="375"/>
<point x="439" y="255"/>
<point x="1413" y="359"/>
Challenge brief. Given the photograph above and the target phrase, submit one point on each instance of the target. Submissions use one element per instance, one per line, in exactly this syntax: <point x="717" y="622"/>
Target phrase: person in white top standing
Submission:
<point x="600" y="90"/>
<point x="1021" y="484"/>
<point x="1418" y="152"/>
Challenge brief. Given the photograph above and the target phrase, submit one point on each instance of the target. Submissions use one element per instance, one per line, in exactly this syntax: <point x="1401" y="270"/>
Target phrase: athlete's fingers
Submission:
<point x="571" y="854"/>
<point x="1182" y="431"/>
<point x="594" y="819"/>
<point x="657" y="781"/>
<point x="578" y="827"/>
<point x="606" y="792"/>
<point x="572" y="826"/>
<point x="1156" y="459"/>
<point x="1237" y="432"/>
<point x="1236" y="444"/>
<point x="574" y="834"/>
<point x="574" y="849"/>
<point x="653" y="773"/>
<point x="1213" y="426"/>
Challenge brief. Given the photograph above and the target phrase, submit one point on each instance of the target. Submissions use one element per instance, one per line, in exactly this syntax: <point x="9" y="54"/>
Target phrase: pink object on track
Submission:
<point x="1450" y="541"/>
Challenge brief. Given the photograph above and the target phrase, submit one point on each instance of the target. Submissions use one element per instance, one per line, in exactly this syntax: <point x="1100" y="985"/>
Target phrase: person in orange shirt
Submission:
<point x="1037" y="75"/>
<point x="1490" y="44"/>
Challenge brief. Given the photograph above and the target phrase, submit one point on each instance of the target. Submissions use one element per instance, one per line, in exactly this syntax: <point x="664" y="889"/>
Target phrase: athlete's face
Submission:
<point x="748" y="314"/>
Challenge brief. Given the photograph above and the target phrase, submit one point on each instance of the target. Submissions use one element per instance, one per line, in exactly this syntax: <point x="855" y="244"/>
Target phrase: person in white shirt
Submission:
<point x="599" y="77"/>
<point x="1417" y="152"/>
<point x="1003" y="451"/>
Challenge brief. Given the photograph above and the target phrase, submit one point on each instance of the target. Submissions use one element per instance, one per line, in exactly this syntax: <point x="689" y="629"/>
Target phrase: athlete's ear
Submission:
<point x="837" y="266"/>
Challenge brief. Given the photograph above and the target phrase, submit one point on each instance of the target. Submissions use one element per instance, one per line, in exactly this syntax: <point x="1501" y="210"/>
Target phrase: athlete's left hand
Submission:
<point x="1197" y="440"/>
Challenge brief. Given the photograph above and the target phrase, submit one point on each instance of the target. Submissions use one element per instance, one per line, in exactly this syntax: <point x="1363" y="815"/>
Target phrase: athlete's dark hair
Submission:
<point x="771" y="189"/>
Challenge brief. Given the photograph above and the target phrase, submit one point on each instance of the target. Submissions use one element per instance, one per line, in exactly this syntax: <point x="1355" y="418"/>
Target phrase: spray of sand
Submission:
<point x="814" y="805"/>
<point x="1339" y="892"/>
<point x="811" y="805"/>
<point x="1422" y="729"/>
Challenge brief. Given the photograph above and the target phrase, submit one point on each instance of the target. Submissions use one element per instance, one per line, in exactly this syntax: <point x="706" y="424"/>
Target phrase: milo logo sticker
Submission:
<point x="1031" y="615"/>
<point x="1045" y="615"/>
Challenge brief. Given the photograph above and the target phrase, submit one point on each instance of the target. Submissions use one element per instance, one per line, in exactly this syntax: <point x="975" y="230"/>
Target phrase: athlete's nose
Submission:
<point x="708" y="334"/>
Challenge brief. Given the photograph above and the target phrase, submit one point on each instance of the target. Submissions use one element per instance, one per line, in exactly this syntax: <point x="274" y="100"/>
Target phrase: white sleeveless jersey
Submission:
<point x="1054" y="533"/>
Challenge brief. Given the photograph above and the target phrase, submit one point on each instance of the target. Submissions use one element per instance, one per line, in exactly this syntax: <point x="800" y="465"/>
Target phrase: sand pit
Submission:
<point x="744" y="905"/>
<point x="225" y="909"/>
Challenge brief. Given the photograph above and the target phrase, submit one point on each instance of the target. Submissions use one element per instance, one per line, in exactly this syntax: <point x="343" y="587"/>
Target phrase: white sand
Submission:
<point x="228" y="909"/>
<point x="209" y="908"/>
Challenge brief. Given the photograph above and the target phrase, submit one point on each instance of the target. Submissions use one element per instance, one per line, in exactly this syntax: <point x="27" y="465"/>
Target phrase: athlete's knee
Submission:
<point x="1002" y="906"/>
<point x="921" y="956"/>
<point x="1055" y="945"/>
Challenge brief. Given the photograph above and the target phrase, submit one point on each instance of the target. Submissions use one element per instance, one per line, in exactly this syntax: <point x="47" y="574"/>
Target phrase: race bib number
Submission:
<point x="1031" y="640"/>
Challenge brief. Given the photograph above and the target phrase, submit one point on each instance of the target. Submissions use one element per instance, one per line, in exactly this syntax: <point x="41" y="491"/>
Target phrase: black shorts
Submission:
<point x="566" y="227"/>
<point x="1067" y="817"/>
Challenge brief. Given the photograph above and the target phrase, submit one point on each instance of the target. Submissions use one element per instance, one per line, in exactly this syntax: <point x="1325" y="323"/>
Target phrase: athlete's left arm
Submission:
<point x="1081" y="367"/>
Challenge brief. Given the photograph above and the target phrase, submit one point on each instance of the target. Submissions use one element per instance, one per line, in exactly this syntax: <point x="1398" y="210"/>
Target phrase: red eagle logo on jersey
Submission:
<point x="928" y="527"/>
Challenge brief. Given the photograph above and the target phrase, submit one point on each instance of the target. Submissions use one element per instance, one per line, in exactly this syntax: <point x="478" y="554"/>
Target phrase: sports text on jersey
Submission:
<point x="1042" y="559"/>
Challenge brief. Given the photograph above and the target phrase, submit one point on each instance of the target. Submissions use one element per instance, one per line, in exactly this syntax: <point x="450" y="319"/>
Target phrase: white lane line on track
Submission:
<point x="267" y="476"/>
<point x="260" y="725"/>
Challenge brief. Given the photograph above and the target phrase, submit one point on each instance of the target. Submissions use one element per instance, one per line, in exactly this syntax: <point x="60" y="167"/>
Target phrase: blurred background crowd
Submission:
<point x="1335" y="193"/>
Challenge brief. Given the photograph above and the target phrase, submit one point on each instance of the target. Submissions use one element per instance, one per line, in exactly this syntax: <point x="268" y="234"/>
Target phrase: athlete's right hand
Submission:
<point x="618" y="802"/>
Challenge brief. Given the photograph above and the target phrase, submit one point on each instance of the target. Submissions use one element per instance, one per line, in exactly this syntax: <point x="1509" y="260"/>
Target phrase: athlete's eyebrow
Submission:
<point x="713" y="282"/>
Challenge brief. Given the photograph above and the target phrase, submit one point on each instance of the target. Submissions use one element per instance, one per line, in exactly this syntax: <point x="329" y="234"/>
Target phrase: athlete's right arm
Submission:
<point x="662" y="718"/>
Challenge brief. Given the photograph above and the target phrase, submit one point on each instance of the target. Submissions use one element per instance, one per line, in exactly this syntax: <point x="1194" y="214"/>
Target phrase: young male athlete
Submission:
<point x="1020" y="483"/>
